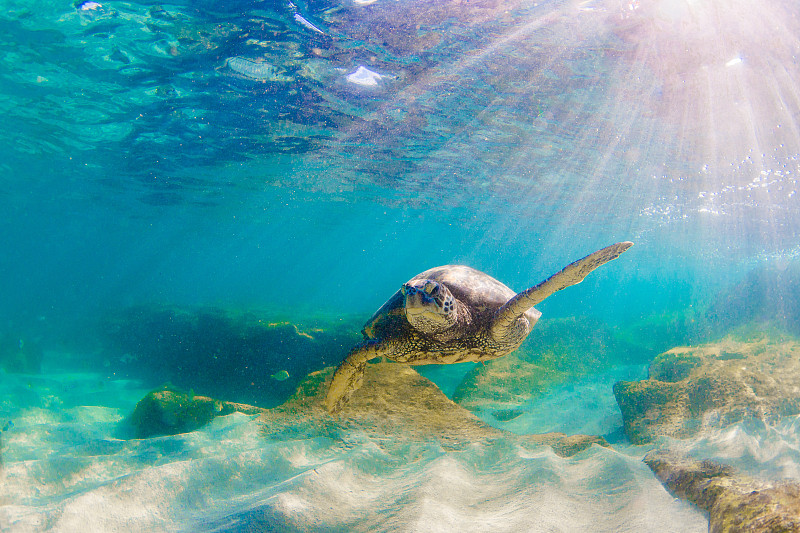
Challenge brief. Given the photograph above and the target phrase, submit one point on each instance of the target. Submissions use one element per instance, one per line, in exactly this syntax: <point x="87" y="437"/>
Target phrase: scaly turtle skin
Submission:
<point x="453" y="314"/>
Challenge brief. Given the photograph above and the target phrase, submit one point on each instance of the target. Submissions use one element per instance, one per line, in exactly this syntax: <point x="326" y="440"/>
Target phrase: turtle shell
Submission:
<point x="388" y="318"/>
<point x="483" y="294"/>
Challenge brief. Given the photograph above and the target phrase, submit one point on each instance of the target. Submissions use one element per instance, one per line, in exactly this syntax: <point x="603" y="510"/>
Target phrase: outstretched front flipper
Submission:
<point x="348" y="377"/>
<point x="570" y="275"/>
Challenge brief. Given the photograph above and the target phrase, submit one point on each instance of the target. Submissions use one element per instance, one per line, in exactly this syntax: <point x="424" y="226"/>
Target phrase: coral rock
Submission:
<point x="735" y="503"/>
<point x="169" y="412"/>
<point x="395" y="405"/>
<point x="692" y="389"/>
<point x="557" y="351"/>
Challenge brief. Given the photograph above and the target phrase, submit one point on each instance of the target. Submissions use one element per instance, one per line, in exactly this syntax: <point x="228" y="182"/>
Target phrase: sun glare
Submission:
<point x="570" y="113"/>
<point x="728" y="80"/>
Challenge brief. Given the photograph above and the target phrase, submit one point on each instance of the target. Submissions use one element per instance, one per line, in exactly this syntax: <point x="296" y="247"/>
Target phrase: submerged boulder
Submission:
<point x="394" y="407"/>
<point x="169" y="411"/>
<point x="556" y="351"/>
<point x="509" y="380"/>
<point x="691" y="389"/>
<point x="734" y="502"/>
<point x="222" y="353"/>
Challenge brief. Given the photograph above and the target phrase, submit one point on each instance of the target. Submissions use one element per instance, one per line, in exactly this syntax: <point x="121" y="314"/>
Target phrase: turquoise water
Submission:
<point x="302" y="160"/>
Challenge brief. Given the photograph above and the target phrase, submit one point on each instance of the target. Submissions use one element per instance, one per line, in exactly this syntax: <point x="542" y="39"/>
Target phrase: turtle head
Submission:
<point x="430" y="307"/>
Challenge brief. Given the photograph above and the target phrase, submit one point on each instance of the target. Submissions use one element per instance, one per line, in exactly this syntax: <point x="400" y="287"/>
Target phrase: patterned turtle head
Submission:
<point x="430" y="307"/>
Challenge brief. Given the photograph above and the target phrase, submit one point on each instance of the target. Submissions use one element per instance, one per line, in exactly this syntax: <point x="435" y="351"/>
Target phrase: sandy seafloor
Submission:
<point x="69" y="465"/>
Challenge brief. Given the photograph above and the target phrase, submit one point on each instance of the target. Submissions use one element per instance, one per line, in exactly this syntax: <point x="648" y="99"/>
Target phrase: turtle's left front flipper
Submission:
<point x="348" y="377"/>
<point x="571" y="274"/>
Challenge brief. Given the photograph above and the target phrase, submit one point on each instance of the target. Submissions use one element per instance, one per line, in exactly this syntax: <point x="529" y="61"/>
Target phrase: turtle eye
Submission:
<point x="430" y="288"/>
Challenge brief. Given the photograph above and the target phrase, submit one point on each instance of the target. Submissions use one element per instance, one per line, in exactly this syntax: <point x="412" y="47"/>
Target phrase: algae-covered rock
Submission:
<point x="556" y="350"/>
<point x="691" y="389"/>
<point x="734" y="503"/>
<point x="508" y="379"/>
<point x="222" y="353"/>
<point x="674" y="365"/>
<point x="169" y="412"/>
<point x="652" y="408"/>
<point x="396" y="405"/>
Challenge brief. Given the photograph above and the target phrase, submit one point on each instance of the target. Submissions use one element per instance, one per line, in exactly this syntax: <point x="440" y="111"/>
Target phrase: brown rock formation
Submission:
<point x="509" y="379"/>
<point x="558" y="350"/>
<point x="710" y="386"/>
<point x="395" y="406"/>
<point x="169" y="412"/>
<point x="735" y="503"/>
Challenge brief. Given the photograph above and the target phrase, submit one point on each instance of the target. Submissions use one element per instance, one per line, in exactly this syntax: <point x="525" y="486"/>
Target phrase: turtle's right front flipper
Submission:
<point x="571" y="274"/>
<point x="348" y="377"/>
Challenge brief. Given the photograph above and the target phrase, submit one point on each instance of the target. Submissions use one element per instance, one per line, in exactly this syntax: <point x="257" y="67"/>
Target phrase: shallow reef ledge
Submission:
<point x="169" y="411"/>
<point x="193" y="347"/>
<point x="734" y="502"/>
<point x="394" y="407"/>
<point x="694" y="389"/>
<point x="559" y="350"/>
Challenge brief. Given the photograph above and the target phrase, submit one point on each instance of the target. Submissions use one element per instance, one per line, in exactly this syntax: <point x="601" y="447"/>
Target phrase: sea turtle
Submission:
<point x="453" y="314"/>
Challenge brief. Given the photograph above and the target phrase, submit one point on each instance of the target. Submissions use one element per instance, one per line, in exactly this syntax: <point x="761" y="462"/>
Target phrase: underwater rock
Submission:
<point x="556" y="351"/>
<point x="734" y="502"/>
<point x="169" y="411"/>
<point x="507" y="380"/>
<point x="394" y="406"/>
<point x="221" y="353"/>
<point x="691" y="389"/>
<point x="5" y="428"/>
<point x="504" y="415"/>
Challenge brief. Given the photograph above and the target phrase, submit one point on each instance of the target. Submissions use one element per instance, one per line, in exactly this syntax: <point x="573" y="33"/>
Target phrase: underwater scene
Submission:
<point x="400" y="265"/>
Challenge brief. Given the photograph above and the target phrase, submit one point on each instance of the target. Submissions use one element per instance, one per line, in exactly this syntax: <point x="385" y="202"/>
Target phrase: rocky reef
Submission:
<point x="735" y="503"/>
<point x="510" y="380"/>
<point x="169" y="411"/>
<point x="394" y="406"/>
<point x="222" y="353"/>
<point x="748" y="374"/>
<point x="556" y="350"/>
<point x="692" y="389"/>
